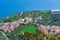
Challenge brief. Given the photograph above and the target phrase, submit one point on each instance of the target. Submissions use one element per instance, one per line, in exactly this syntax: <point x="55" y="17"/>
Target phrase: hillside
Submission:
<point x="33" y="14"/>
<point x="26" y="31"/>
<point x="45" y="17"/>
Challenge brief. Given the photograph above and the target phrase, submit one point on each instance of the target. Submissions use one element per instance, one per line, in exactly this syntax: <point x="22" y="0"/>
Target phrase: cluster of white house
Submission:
<point x="12" y="25"/>
<point x="48" y="29"/>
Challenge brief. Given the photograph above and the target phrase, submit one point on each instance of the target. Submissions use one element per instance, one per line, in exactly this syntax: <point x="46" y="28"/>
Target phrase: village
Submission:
<point x="10" y="26"/>
<point x="40" y="24"/>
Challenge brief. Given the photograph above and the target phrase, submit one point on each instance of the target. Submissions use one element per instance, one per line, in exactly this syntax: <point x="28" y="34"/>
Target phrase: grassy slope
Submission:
<point x="23" y="28"/>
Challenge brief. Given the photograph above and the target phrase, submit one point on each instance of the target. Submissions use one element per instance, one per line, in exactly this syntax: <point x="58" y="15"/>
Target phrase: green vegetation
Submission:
<point x="1" y="34"/>
<point x="47" y="17"/>
<point x="29" y="31"/>
<point x="23" y="28"/>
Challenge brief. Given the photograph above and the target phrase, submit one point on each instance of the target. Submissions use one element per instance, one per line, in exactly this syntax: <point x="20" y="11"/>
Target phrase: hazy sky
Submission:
<point x="7" y="7"/>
